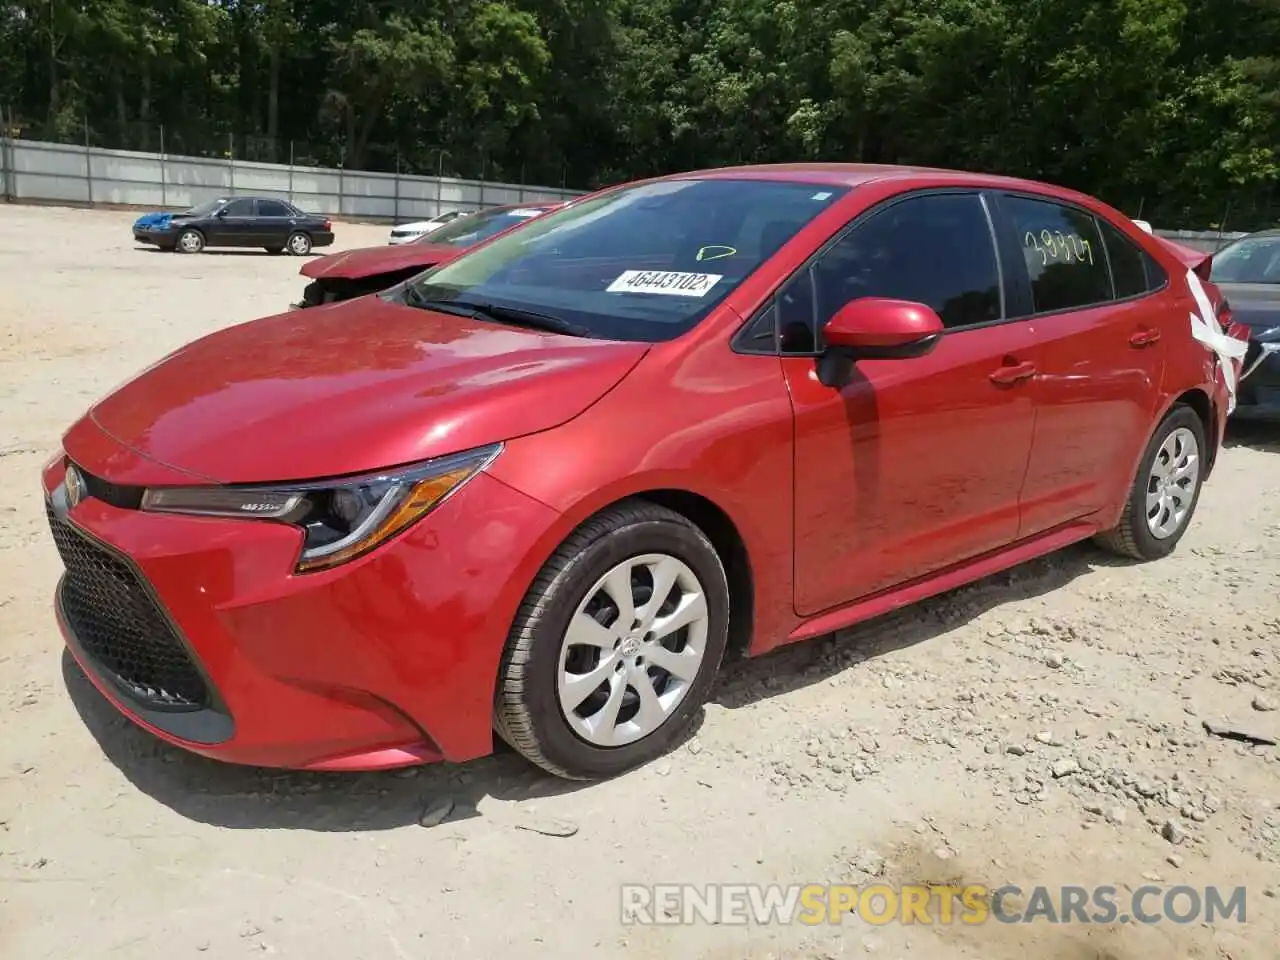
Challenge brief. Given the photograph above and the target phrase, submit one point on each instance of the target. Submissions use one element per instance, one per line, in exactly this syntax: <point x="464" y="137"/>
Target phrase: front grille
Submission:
<point x="118" y="624"/>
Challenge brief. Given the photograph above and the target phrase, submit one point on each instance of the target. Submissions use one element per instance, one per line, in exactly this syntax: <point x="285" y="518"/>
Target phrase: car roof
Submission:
<point x="1267" y="234"/>
<point x="535" y="205"/>
<point x="252" y="196"/>
<point x="857" y="174"/>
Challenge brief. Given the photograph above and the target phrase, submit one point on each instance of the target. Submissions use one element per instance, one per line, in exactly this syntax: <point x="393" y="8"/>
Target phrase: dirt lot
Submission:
<point x="1043" y="727"/>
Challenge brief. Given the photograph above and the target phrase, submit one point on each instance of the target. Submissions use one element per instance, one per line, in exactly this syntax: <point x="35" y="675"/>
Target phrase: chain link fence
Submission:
<point x="211" y="142"/>
<point x="151" y="167"/>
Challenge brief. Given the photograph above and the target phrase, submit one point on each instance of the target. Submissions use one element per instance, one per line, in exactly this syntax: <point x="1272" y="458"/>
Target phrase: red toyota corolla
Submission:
<point x="541" y="489"/>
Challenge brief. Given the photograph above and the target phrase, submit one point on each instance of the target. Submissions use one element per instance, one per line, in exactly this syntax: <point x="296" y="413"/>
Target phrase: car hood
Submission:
<point x="356" y="386"/>
<point x="158" y="220"/>
<point x="1256" y="305"/>
<point x="371" y="261"/>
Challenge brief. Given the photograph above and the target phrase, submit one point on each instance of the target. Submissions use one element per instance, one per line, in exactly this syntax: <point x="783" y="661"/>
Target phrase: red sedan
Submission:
<point x="544" y="488"/>
<point x="355" y="273"/>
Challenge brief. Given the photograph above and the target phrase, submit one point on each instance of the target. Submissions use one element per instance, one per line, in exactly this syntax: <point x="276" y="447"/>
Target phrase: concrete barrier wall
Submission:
<point x="35" y="171"/>
<point x="1208" y="241"/>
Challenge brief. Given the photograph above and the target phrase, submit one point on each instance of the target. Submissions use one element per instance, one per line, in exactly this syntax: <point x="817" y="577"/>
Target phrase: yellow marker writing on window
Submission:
<point x="1030" y="241"/>
<point x="1059" y="247"/>
<point x="715" y="251"/>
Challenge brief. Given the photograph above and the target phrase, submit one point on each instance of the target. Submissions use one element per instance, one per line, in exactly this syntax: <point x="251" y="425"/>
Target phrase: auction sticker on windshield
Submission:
<point x="671" y="283"/>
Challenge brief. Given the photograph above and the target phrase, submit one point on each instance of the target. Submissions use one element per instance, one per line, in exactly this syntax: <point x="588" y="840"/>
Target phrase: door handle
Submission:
<point x="1012" y="373"/>
<point x="1143" y="338"/>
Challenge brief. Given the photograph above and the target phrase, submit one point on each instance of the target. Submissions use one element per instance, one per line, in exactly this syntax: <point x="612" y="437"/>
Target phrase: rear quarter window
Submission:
<point x="1133" y="270"/>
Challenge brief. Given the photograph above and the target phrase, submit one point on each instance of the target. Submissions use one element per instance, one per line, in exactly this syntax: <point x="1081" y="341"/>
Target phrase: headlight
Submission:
<point x="340" y="519"/>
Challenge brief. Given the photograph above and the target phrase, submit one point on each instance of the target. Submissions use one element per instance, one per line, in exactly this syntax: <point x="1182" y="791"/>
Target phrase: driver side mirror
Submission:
<point x="872" y="328"/>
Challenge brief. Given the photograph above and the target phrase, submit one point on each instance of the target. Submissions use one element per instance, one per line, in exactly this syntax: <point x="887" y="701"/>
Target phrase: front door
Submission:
<point x="917" y="464"/>
<point x="233" y="227"/>
<point x="1101" y="356"/>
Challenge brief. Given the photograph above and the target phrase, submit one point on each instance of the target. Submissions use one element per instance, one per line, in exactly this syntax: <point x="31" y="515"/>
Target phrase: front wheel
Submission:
<point x="616" y="644"/>
<point x="1165" y="492"/>
<point x="299" y="244"/>
<point x="190" y="241"/>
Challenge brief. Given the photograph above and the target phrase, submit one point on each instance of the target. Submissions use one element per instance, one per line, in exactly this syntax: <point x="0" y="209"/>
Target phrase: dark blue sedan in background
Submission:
<point x="265" y="222"/>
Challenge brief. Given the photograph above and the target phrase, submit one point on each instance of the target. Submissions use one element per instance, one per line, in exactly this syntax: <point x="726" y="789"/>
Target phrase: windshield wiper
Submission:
<point x="497" y="314"/>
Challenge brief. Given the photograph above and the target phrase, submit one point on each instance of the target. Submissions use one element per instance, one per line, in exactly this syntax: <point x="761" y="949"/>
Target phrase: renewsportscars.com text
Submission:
<point x="880" y="904"/>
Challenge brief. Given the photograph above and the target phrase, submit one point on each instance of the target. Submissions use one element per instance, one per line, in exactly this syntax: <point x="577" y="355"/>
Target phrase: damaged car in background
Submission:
<point x="1247" y="271"/>
<point x="409" y="232"/>
<point x="354" y="273"/>
<point x="267" y="222"/>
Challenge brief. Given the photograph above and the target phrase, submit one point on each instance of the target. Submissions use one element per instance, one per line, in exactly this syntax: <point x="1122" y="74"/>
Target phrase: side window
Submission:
<point x="1063" y="253"/>
<point x="239" y="208"/>
<point x="273" y="208"/>
<point x="1157" y="277"/>
<point x="933" y="249"/>
<point x="760" y="336"/>
<point x="1130" y="266"/>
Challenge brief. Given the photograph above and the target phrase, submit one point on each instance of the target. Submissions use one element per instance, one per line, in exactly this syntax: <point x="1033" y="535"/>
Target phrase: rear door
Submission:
<point x="274" y="223"/>
<point x="1092" y="297"/>
<point x="913" y="465"/>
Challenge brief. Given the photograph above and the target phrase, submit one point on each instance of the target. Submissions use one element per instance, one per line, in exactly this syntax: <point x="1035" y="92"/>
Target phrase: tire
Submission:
<point x="299" y="244"/>
<point x="1134" y="536"/>
<point x="190" y="241"/>
<point x="528" y="711"/>
<point x="274" y="250"/>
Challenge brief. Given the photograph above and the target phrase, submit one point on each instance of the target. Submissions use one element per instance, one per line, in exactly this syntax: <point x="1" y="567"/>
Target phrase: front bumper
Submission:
<point x="199" y="632"/>
<point x="160" y="238"/>
<point x="1258" y="397"/>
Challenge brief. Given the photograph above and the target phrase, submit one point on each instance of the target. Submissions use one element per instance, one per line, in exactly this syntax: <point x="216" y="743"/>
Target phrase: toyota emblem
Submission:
<point x="75" y="486"/>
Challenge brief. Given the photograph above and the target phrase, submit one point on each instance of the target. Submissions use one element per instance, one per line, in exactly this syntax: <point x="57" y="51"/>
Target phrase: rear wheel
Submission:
<point x="616" y="645"/>
<point x="190" y="241"/>
<point x="1165" y="492"/>
<point x="299" y="244"/>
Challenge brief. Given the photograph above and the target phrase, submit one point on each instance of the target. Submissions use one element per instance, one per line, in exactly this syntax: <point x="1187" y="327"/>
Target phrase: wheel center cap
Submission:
<point x="630" y="646"/>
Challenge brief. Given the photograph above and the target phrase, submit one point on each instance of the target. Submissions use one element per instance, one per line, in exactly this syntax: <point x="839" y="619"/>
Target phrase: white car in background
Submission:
<point x="409" y="232"/>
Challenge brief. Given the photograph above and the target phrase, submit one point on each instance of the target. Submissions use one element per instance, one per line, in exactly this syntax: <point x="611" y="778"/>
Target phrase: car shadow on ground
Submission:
<point x="239" y="797"/>
<point x="1256" y="434"/>
<point x="233" y="252"/>
<point x="802" y="664"/>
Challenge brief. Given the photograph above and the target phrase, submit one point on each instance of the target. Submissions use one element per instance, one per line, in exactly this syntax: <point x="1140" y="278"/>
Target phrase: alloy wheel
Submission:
<point x="633" y="648"/>
<point x="1172" y="482"/>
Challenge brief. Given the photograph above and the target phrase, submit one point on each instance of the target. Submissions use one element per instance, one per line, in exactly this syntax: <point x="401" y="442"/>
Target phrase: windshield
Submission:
<point x="204" y="209"/>
<point x="1248" y="260"/>
<point x="644" y="263"/>
<point x="467" y="231"/>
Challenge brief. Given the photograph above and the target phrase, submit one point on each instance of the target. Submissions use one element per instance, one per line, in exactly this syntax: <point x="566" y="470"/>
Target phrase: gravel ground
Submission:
<point x="1043" y="727"/>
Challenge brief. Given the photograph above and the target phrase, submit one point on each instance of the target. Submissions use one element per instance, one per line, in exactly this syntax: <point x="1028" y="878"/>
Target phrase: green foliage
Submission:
<point x="1165" y="108"/>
